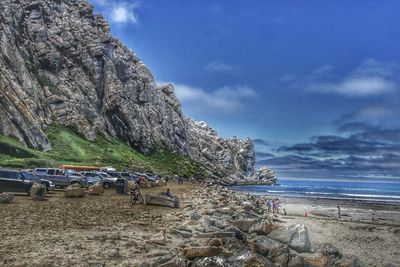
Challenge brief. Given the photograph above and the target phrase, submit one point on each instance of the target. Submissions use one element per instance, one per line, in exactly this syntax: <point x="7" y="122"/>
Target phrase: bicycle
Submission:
<point x="136" y="197"/>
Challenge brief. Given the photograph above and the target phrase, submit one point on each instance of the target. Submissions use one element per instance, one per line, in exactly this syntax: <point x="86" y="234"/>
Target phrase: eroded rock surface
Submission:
<point x="60" y="64"/>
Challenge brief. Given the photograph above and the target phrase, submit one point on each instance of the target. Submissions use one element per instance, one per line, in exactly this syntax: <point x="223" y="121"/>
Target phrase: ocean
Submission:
<point x="369" y="191"/>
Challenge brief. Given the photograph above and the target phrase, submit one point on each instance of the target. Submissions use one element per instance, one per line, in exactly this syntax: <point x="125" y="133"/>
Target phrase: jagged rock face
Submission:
<point x="232" y="156"/>
<point x="59" y="64"/>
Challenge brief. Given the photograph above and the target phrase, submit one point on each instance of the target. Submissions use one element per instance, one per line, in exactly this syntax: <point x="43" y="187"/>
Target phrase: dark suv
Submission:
<point x="14" y="181"/>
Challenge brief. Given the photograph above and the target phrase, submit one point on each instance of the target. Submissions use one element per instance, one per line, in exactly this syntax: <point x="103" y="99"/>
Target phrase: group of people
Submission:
<point x="273" y="205"/>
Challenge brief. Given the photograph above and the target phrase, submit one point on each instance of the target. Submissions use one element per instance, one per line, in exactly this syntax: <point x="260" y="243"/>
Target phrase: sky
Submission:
<point x="315" y="84"/>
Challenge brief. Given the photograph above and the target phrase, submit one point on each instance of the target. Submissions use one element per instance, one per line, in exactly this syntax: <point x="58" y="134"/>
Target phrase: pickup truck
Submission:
<point x="61" y="178"/>
<point x="13" y="181"/>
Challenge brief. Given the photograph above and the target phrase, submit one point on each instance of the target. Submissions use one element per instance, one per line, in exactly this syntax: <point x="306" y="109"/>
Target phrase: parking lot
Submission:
<point x="62" y="231"/>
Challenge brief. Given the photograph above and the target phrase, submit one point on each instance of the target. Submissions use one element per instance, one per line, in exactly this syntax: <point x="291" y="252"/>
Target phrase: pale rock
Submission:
<point x="96" y="189"/>
<point x="162" y="200"/>
<point x="6" y="197"/>
<point x="74" y="190"/>
<point x="38" y="191"/>
<point x="296" y="236"/>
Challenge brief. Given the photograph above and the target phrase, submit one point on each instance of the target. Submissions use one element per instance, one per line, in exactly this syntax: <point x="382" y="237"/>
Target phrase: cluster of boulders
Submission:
<point x="148" y="184"/>
<point x="228" y="229"/>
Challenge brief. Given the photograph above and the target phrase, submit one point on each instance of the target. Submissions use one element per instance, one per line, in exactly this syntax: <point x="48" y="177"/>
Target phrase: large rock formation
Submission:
<point x="60" y="64"/>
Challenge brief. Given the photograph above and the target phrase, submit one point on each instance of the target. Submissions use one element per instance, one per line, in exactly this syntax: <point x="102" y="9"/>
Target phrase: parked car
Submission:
<point x="61" y="178"/>
<point x="13" y="181"/>
<point x="108" y="180"/>
<point x="29" y="176"/>
<point x="92" y="178"/>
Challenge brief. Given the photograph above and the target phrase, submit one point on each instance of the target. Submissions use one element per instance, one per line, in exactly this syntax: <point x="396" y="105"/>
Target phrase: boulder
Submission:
<point x="159" y="238"/>
<point x="247" y="205"/>
<point x="96" y="189"/>
<point x="251" y="259"/>
<point x="207" y="251"/>
<point x="316" y="260"/>
<point x="177" y="261"/>
<point x="330" y="251"/>
<point x="145" y="184"/>
<point x="245" y="224"/>
<point x="349" y="261"/>
<point x="266" y="246"/>
<point x="296" y="236"/>
<point x="38" y="191"/>
<point x="226" y="211"/>
<point x="216" y="261"/>
<point x="74" y="190"/>
<point x="195" y="216"/>
<point x="263" y="228"/>
<point x="6" y="197"/>
<point x="162" y="200"/>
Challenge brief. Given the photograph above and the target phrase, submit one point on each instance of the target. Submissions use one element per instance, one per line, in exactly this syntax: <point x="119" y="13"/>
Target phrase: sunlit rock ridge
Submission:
<point x="60" y="64"/>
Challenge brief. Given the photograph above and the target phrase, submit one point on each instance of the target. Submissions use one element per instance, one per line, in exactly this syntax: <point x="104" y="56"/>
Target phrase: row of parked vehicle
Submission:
<point x="22" y="181"/>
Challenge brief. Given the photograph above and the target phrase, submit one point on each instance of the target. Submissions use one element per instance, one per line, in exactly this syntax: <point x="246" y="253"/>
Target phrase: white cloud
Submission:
<point x="225" y="99"/>
<point x="118" y="12"/>
<point x="123" y="13"/>
<point x="217" y="66"/>
<point x="369" y="78"/>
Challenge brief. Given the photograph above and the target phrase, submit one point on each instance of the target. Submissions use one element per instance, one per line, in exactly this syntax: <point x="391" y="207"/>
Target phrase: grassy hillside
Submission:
<point x="68" y="147"/>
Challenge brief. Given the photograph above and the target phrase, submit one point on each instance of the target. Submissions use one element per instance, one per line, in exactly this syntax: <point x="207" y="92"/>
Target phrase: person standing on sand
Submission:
<point x="278" y="204"/>
<point x="273" y="206"/>
<point x="338" y="209"/>
<point x="269" y="204"/>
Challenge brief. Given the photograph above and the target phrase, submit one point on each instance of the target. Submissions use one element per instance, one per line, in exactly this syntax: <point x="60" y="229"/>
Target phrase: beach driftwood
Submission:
<point x="162" y="200"/>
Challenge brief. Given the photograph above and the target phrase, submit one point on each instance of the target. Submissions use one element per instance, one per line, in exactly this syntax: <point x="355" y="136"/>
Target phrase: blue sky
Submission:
<point x="316" y="84"/>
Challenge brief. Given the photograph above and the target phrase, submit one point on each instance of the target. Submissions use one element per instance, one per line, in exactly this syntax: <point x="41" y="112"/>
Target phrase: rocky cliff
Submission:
<point x="60" y="64"/>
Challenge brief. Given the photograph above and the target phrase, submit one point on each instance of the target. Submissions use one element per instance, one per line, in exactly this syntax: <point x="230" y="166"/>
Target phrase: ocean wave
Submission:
<point x="374" y="196"/>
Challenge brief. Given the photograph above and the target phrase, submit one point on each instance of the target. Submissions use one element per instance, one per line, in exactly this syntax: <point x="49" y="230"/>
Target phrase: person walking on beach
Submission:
<point x="269" y="205"/>
<point x="277" y="205"/>
<point x="338" y="209"/>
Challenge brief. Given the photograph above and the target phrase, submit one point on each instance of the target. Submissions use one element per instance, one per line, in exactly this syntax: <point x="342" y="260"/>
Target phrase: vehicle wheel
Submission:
<point x="140" y="199"/>
<point x="106" y="186"/>
<point x="90" y="184"/>
<point x="47" y="187"/>
<point x="137" y="200"/>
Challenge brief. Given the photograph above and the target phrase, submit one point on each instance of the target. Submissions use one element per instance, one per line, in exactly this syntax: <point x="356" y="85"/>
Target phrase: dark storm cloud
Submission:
<point x="260" y="142"/>
<point x="365" y="149"/>
<point x="260" y="154"/>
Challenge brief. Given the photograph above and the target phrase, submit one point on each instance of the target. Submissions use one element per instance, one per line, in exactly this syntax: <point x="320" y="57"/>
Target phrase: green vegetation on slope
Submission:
<point x="68" y="147"/>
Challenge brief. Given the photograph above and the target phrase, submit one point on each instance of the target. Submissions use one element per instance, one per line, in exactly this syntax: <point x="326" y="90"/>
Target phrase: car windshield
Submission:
<point x="29" y="176"/>
<point x="114" y="174"/>
<point x="9" y="174"/>
<point x="69" y="173"/>
<point x="104" y="175"/>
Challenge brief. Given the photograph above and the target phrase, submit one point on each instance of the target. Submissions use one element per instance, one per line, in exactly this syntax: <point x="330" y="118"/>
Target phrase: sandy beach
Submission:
<point x="369" y="231"/>
<point x="108" y="231"/>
